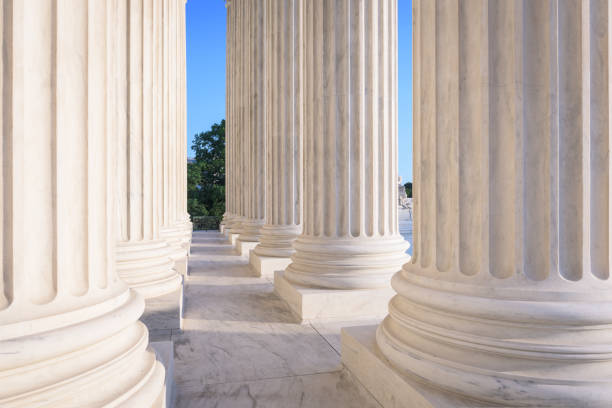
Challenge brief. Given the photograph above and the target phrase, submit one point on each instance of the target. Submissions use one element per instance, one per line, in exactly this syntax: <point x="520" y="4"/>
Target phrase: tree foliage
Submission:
<point x="206" y="177"/>
<point x="408" y="187"/>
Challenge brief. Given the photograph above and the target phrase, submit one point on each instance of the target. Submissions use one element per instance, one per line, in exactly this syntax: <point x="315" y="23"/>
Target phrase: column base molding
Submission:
<point x="101" y="361"/>
<point x="265" y="266"/>
<point x="391" y="387"/>
<point x="244" y="248"/>
<point x="319" y="304"/>
<point x="148" y="267"/>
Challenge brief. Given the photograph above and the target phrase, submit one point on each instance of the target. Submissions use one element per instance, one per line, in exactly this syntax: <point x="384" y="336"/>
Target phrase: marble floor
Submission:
<point x="241" y="347"/>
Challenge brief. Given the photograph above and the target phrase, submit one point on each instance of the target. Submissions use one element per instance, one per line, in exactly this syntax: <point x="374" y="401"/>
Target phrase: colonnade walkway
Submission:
<point x="240" y="345"/>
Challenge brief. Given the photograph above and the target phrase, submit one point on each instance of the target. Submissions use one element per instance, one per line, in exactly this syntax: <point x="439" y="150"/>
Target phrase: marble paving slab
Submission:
<point x="329" y="390"/>
<point x="241" y="345"/>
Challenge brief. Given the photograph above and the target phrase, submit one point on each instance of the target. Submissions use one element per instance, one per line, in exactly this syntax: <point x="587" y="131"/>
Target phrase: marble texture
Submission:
<point x="350" y="238"/>
<point x="327" y="390"/>
<point x="283" y="128"/>
<point x="265" y="266"/>
<point x="69" y="329"/>
<point x="390" y="386"/>
<point x="144" y="261"/>
<point x="164" y="312"/>
<point x="244" y="248"/>
<point x="507" y="300"/>
<point x="240" y="338"/>
<point x="320" y="304"/>
<point x="253" y="118"/>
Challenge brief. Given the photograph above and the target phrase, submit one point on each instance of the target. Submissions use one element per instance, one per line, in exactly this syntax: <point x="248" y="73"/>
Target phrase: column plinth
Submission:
<point x="69" y="329"/>
<point x="507" y="300"/>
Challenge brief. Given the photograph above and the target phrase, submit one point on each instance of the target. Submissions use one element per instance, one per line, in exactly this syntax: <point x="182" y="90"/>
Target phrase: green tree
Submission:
<point x="209" y="150"/>
<point x="408" y="187"/>
<point x="206" y="177"/>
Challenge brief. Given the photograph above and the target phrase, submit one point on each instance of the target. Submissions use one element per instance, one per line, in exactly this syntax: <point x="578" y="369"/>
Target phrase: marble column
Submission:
<point x="508" y="299"/>
<point x="253" y="140"/>
<point x="143" y="259"/>
<point x="227" y="215"/>
<point x="69" y="329"/>
<point x="350" y="246"/>
<point x="236" y="119"/>
<point x="283" y="137"/>
<point x="175" y="230"/>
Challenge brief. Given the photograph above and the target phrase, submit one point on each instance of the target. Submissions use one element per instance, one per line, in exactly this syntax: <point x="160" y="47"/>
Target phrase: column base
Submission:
<point x="318" y="304"/>
<point x="164" y="312"/>
<point x="221" y="228"/>
<point x="164" y="351"/>
<point x="265" y="266"/>
<point x="244" y="247"/>
<point x="390" y="387"/>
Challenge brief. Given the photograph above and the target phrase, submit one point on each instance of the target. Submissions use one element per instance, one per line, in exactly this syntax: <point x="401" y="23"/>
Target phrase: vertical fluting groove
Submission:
<point x="7" y="195"/>
<point x="504" y="133"/>
<point x="363" y="220"/>
<point x="570" y="145"/>
<point x="383" y="50"/>
<point x="394" y="120"/>
<point x="96" y="134"/>
<point x="342" y="110"/>
<point x="586" y="138"/>
<point x="536" y="140"/>
<point x="599" y="168"/>
<point x="328" y="101"/>
<point x="446" y="131"/>
<point x="71" y="167"/>
<point x="416" y="132"/>
<point x="147" y="129"/>
<point x="427" y="181"/>
<point x="473" y="133"/>
<point x="372" y="104"/>
<point x="355" y="202"/>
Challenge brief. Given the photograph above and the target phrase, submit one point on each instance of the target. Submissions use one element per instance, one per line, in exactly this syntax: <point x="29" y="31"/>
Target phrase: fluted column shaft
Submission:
<point x="254" y="141"/>
<point x="143" y="259"/>
<point x="176" y="225"/>
<point x="283" y="187"/>
<point x="508" y="297"/>
<point x="69" y="330"/>
<point x="351" y="237"/>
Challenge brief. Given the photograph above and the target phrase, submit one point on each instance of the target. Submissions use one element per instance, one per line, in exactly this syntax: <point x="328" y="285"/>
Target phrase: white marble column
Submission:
<point x="227" y="215"/>
<point x="253" y="139"/>
<point x="143" y="259"/>
<point x="69" y="329"/>
<point x="235" y="121"/>
<point x="351" y="237"/>
<point x="508" y="298"/>
<point x="284" y="104"/>
<point x="175" y="229"/>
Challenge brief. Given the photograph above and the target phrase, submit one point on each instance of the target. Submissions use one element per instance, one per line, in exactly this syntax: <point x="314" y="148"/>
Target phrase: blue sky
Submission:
<point x="206" y="72"/>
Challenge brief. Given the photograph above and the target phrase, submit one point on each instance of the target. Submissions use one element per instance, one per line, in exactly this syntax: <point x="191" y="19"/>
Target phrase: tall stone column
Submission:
<point x="350" y="246"/>
<point x="236" y="119"/>
<point x="69" y="329"/>
<point x="508" y="298"/>
<point x="143" y="259"/>
<point x="284" y="101"/>
<point x="176" y="233"/>
<point x="229" y="27"/>
<point x="253" y="140"/>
